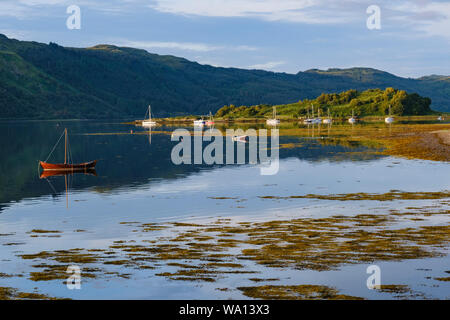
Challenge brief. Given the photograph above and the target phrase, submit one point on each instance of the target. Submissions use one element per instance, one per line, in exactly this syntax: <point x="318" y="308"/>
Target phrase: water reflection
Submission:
<point x="137" y="184"/>
<point x="59" y="173"/>
<point x="128" y="156"/>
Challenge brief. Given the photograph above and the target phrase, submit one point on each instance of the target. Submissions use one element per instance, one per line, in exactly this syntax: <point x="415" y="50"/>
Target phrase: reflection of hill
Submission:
<point x="125" y="160"/>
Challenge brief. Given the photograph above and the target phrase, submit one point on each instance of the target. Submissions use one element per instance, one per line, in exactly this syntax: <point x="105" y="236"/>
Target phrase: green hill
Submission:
<point x="49" y="81"/>
<point x="367" y="103"/>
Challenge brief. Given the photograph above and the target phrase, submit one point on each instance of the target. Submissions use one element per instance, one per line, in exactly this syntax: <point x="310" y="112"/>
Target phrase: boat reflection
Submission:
<point x="55" y="173"/>
<point x="67" y="174"/>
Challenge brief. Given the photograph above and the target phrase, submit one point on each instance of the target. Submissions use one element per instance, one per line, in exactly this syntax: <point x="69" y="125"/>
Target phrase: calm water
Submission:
<point x="137" y="182"/>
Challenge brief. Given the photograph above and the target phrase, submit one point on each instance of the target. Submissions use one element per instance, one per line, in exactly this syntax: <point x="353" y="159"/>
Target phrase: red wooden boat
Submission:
<point x="67" y="167"/>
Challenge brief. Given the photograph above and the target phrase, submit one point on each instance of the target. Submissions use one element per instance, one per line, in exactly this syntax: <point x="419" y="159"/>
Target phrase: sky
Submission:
<point x="410" y="38"/>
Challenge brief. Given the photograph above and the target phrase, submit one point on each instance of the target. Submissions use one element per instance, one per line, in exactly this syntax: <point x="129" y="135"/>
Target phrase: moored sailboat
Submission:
<point x="210" y="121"/>
<point x="329" y="119"/>
<point x="199" y="122"/>
<point x="308" y="120"/>
<point x="274" y="121"/>
<point x="352" y="119"/>
<point x="389" y="119"/>
<point x="318" y="119"/>
<point x="149" y="122"/>
<point x="67" y="166"/>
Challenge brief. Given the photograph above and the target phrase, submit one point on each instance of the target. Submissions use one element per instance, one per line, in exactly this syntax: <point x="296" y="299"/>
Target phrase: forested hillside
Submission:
<point x="372" y="102"/>
<point x="49" y="81"/>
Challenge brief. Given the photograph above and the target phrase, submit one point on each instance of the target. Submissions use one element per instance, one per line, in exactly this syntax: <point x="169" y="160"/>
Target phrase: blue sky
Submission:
<point x="277" y="35"/>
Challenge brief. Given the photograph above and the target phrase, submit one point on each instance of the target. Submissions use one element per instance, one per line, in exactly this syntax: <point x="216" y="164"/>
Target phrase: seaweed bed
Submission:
<point x="209" y="251"/>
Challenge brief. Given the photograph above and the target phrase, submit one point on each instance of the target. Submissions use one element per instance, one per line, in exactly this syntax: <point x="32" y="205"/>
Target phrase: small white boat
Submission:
<point x="318" y="119"/>
<point x="240" y="138"/>
<point x="274" y="121"/>
<point x="309" y="120"/>
<point x="199" y="123"/>
<point x="149" y="122"/>
<point x="440" y="118"/>
<point x="352" y="119"/>
<point x="389" y="119"/>
<point x="329" y="119"/>
<point x="210" y="122"/>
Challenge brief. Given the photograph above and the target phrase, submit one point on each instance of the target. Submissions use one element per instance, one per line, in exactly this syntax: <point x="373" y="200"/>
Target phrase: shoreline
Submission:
<point x="190" y="119"/>
<point x="422" y="145"/>
<point x="426" y="141"/>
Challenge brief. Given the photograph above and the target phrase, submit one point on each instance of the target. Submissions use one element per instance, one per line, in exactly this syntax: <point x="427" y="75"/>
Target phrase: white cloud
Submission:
<point x="17" y="34"/>
<point x="308" y="11"/>
<point x="430" y="17"/>
<point x="12" y="9"/>
<point x="23" y="9"/>
<point x="267" y="66"/>
<point x="185" y="46"/>
<point x="202" y="47"/>
<point x="427" y="16"/>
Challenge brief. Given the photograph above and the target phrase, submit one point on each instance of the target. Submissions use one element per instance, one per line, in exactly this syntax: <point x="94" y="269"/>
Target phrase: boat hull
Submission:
<point x="149" y="123"/>
<point x="272" y="122"/>
<point x="199" y="123"/>
<point x="68" y="167"/>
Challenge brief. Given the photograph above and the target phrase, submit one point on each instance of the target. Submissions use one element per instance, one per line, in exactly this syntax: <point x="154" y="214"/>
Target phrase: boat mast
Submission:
<point x="149" y="112"/>
<point x="65" y="146"/>
<point x="67" y="193"/>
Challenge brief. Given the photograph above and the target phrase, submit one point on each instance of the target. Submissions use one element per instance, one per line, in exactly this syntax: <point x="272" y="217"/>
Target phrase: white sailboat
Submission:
<point x="243" y="138"/>
<point x="274" y="121"/>
<point x="329" y="119"/>
<point x="308" y="120"/>
<point x="318" y="119"/>
<point x="149" y="122"/>
<point x="199" y="122"/>
<point x="389" y="119"/>
<point x="352" y="119"/>
<point x="210" y="122"/>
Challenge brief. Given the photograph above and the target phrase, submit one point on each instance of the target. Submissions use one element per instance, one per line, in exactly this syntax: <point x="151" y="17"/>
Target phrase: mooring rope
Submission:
<point x="51" y="186"/>
<point x="54" y="147"/>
